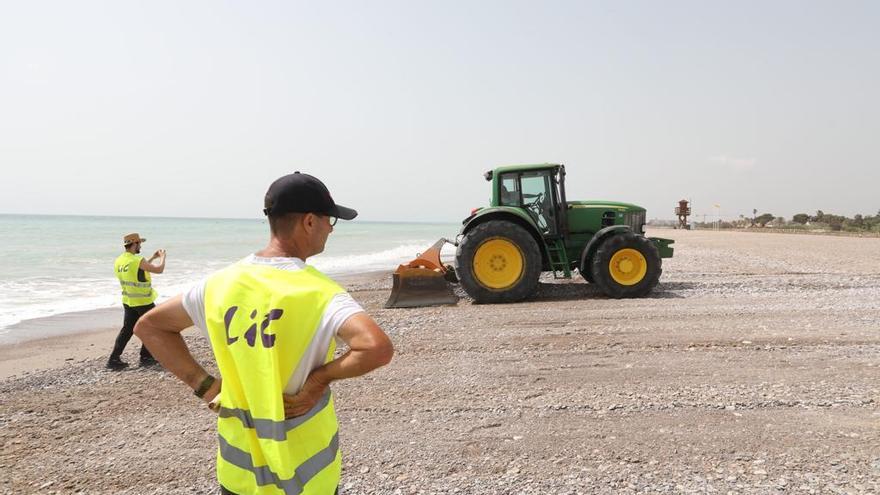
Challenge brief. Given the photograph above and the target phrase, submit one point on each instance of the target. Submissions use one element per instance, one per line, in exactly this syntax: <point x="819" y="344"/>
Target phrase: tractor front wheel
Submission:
<point x="498" y="262"/>
<point x="626" y="265"/>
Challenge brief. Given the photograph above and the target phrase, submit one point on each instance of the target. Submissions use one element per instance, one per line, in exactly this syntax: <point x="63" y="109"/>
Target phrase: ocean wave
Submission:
<point x="387" y="259"/>
<point x="42" y="296"/>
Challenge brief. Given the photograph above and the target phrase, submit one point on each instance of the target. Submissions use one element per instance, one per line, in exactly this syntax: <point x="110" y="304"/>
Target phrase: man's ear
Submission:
<point x="309" y="221"/>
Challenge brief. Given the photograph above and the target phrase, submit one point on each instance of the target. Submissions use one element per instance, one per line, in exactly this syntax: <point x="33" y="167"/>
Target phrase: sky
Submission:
<point x="191" y="109"/>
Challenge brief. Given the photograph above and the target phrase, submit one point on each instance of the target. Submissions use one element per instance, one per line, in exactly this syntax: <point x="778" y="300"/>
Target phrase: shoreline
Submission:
<point x="87" y="320"/>
<point x="51" y="342"/>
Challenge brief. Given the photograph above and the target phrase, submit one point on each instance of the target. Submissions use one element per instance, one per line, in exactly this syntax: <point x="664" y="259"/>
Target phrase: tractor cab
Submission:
<point x="539" y="190"/>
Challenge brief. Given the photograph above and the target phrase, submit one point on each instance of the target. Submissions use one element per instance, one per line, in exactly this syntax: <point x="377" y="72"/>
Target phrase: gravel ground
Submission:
<point x="755" y="367"/>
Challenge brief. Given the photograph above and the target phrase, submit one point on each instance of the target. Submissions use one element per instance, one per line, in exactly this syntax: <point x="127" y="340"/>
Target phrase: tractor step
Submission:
<point x="558" y="258"/>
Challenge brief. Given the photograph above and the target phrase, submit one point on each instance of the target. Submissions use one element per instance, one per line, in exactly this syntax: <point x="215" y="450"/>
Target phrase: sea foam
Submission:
<point x="27" y="298"/>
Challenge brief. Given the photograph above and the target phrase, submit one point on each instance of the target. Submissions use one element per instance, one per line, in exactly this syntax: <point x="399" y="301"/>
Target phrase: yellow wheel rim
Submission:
<point x="628" y="267"/>
<point x="498" y="263"/>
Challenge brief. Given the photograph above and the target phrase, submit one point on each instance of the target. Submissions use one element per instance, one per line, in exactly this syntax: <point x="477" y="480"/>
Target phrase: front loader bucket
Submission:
<point x="422" y="281"/>
<point x="417" y="287"/>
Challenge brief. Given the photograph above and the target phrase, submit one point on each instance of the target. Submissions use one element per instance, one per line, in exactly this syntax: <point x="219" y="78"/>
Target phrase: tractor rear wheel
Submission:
<point x="588" y="275"/>
<point x="498" y="262"/>
<point x="626" y="265"/>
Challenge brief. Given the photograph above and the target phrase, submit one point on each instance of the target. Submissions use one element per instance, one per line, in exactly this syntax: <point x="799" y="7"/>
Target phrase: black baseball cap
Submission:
<point x="302" y="193"/>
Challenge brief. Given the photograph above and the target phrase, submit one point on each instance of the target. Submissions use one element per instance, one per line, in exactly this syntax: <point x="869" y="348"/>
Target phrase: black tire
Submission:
<point x="600" y="266"/>
<point x="588" y="276"/>
<point x="525" y="282"/>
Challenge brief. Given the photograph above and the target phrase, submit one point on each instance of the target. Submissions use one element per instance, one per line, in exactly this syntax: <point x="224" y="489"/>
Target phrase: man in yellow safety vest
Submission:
<point x="272" y="321"/>
<point x="133" y="272"/>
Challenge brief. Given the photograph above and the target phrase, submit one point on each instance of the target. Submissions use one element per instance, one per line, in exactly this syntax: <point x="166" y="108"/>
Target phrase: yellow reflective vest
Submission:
<point x="262" y="321"/>
<point x="135" y="292"/>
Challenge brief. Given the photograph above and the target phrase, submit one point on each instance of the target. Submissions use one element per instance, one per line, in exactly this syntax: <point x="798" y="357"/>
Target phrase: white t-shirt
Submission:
<point x="338" y="310"/>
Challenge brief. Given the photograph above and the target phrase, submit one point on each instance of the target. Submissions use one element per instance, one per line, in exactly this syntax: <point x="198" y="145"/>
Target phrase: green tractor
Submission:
<point x="530" y="227"/>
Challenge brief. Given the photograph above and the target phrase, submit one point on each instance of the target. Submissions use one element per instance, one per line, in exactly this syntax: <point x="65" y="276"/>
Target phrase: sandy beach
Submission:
<point x="753" y="368"/>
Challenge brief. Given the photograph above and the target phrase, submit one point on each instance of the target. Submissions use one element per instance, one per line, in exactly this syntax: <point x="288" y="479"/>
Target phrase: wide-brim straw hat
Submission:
<point x="133" y="238"/>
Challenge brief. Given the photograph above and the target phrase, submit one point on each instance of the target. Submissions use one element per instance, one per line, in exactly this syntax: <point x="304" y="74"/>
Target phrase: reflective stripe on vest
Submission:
<point x="305" y="472"/>
<point x="261" y="322"/>
<point x="126" y="283"/>
<point x="134" y="292"/>
<point x="276" y="430"/>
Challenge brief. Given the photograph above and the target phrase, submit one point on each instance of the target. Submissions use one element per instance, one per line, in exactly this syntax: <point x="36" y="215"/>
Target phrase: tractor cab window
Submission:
<point x="538" y="198"/>
<point x="509" y="193"/>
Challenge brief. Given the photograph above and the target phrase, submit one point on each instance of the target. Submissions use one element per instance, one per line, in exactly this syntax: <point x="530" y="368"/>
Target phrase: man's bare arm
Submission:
<point x="148" y="266"/>
<point x="159" y="329"/>
<point x="369" y="348"/>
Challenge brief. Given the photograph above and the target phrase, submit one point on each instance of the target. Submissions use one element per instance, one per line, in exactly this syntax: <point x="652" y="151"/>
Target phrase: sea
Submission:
<point x="53" y="265"/>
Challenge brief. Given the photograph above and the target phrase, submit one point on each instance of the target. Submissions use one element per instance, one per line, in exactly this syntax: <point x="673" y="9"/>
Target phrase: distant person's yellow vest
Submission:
<point x="261" y="321"/>
<point x="134" y="292"/>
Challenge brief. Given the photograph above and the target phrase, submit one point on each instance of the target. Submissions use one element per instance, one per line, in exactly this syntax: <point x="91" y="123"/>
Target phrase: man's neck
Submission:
<point x="279" y="249"/>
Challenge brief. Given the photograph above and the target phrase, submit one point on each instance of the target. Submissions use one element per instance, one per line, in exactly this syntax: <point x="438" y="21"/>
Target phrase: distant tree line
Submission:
<point x="801" y="221"/>
<point x="858" y="223"/>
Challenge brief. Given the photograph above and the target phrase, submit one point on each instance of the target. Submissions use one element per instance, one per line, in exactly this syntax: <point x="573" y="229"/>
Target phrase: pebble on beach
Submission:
<point x="752" y="368"/>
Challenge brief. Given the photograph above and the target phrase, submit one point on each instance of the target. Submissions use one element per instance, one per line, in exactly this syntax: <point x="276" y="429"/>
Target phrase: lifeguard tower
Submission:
<point x="683" y="210"/>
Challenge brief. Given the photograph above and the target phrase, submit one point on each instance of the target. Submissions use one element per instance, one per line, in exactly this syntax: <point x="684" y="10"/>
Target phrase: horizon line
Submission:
<point x="163" y="217"/>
